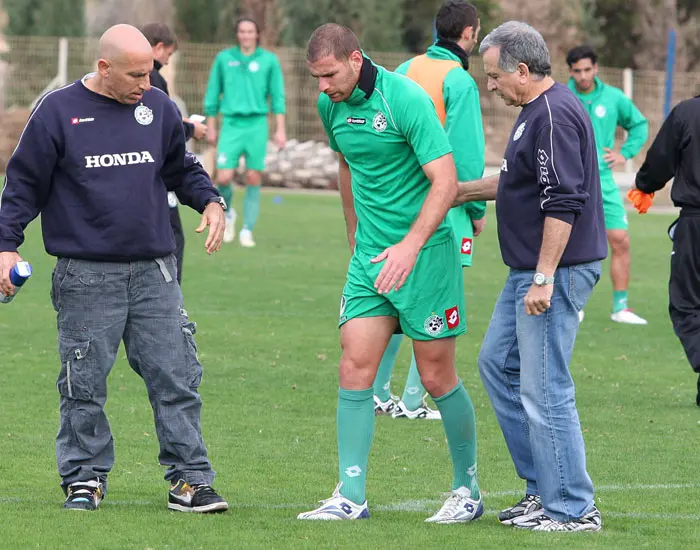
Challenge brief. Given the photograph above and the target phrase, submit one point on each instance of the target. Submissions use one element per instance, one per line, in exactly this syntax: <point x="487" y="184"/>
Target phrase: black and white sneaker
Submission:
<point x="590" y="522"/>
<point x="201" y="499"/>
<point x="528" y="506"/>
<point x="84" y="495"/>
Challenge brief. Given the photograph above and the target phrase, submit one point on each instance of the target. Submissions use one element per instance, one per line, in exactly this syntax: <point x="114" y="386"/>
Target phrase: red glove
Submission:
<point x="641" y="201"/>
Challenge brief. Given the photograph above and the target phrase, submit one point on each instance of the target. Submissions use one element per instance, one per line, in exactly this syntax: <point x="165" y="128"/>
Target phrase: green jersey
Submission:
<point x="386" y="130"/>
<point x="609" y="108"/>
<point x="464" y="128"/>
<point x="240" y="85"/>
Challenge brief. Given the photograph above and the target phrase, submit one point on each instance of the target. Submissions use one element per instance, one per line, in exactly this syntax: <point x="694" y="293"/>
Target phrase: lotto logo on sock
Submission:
<point x="452" y="316"/>
<point x="353" y="471"/>
<point x="466" y="246"/>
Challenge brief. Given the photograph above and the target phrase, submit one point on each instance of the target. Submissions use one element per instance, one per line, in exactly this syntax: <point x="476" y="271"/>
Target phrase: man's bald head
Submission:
<point x="126" y="59"/>
<point x="123" y="39"/>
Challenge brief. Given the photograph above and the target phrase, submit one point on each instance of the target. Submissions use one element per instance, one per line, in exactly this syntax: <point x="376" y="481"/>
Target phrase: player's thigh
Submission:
<point x="435" y="360"/>
<point x="256" y="144"/>
<point x="613" y="205"/>
<point x="431" y="303"/>
<point x="230" y="147"/>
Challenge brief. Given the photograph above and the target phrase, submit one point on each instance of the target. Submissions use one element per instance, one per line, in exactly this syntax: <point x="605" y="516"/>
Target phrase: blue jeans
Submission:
<point x="99" y="304"/>
<point x="524" y="364"/>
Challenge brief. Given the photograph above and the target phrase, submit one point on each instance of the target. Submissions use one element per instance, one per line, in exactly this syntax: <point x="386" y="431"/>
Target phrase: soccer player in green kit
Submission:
<point x="241" y="82"/>
<point x="397" y="180"/>
<point x="442" y="72"/>
<point x="609" y="108"/>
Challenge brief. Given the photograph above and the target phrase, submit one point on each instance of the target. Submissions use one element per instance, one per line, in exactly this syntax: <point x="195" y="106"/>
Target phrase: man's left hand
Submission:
<point x="213" y="217"/>
<point x="538" y="299"/>
<point x="280" y="138"/>
<point x="478" y="226"/>
<point x="399" y="262"/>
<point x="613" y="158"/>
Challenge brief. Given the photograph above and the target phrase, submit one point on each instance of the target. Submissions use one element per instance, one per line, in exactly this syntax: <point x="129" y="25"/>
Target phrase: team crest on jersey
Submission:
<point x="254" y="67"/>
<point x="434" y="325"/>
<point x="379" y="122"/>
<point x="143" y="115"/>
<point x="600" y="111"/>
<point x="519" y="132"/>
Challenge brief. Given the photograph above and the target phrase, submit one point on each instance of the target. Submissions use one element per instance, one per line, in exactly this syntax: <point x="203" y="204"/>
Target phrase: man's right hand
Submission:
<point x="7" y="262"/>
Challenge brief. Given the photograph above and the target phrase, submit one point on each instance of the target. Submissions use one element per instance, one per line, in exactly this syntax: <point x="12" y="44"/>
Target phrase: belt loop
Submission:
<point x="164" y="270"/>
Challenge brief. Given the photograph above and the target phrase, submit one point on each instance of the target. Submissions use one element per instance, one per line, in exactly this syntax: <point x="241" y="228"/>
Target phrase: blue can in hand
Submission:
<point x="19" y="274"/>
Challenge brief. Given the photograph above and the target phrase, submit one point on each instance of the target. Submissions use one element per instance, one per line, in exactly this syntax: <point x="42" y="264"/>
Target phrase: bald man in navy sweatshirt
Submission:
<point x="97" y="159"/>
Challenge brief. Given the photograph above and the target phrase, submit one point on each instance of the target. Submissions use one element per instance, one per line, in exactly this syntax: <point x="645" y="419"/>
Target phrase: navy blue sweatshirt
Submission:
<point x="550" y="168"/>
<point x="99" y="171"/>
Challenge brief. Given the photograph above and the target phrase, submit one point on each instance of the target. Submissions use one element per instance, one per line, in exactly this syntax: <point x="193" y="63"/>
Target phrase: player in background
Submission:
<point x="164" y="43"/>
<point x="609" y="108"/>
<point x="242" y="81"/>
<point x="442" y="72"/>
<point x="397" y="181"/>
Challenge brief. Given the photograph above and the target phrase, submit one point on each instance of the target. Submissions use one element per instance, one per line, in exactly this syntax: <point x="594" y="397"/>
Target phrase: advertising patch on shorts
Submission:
<point x="452" y="316"/>
<point x="434" y="325"/>
<point x="343" y="303"/>
<point x="466" y="246"/>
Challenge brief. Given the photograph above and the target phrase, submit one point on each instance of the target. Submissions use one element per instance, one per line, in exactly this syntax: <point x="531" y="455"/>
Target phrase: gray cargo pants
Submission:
<point x="98" y="305"/>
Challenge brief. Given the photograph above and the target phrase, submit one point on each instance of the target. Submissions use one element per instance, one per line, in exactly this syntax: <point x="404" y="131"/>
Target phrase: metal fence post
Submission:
<point x="62" y="72"/>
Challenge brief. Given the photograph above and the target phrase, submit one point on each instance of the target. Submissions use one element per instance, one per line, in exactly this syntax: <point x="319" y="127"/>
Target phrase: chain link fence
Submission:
<point x="30" y="66"/>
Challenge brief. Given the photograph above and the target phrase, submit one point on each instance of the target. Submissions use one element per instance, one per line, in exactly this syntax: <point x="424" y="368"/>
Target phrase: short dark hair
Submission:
<point x="581" y="52"/>
<point x="453" y="17"/>
<point x="238" y="22"/>
<point x="332" y="39"/>
<point x="157" y="33"/>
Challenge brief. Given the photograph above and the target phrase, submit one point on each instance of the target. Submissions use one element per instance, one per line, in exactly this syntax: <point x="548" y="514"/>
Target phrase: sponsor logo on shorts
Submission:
<point x="343" y="303"/>
<point x="452" y="316"/>
<point x="355" y="120"/>
<point x="434" y="325"/>
<point x="466" y="246"/>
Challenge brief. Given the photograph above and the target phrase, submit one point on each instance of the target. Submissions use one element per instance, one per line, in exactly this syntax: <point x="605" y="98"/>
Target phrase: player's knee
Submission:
<point x="253" y="178"/>
<point x="355" y="372"/>
<point x="224" y="177"/>
<point x="619" y="241"/>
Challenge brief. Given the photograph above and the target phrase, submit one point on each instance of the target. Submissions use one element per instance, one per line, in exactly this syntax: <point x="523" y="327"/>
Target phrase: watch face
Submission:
<point x="539" y="278"/>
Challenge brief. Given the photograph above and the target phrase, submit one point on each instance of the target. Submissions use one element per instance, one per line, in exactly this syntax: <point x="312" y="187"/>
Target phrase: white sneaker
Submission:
<point x="383" y="407"/>
<point x="337" y="507"/>
<point x="628" y="317"/>
<point x="581" y="315"/>
<point x="422" y="412"/>
<point x="245" y="237"/>
<point x="230" y="230"/>
<point x="592" y="521"/>
<point x="458" y="508"/>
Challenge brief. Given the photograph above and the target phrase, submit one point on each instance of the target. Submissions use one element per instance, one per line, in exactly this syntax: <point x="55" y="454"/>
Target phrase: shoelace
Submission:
<point x="452" y="504"/>
<point x="205" y="491"/>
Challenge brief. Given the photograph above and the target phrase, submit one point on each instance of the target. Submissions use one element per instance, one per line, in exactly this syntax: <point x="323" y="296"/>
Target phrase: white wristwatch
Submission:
<point x="540" y="279"/>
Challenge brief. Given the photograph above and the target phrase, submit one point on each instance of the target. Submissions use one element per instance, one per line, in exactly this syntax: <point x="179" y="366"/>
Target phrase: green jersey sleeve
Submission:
<point x="637" y="126"/>
<point x="465" y="130"/>
<point x="417" y="120"/>
<point x="215" y="87"/>
<point x="325" y="108"/>
<point x="277" y="87"/>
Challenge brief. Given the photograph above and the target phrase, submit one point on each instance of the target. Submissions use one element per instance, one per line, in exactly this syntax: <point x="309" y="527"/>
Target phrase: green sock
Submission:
<point x="460" y="427"/>
<point x="619" y="300"/>
<point x="226" y="191"/>
<point x="251" y="206"/>
<point x="355" y="433"/>
<point x="382" y="382"/>
<point x="414" y="390"/>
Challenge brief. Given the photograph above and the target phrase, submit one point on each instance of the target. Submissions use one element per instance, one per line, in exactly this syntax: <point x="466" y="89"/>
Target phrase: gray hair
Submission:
<point x="519" y="43"/>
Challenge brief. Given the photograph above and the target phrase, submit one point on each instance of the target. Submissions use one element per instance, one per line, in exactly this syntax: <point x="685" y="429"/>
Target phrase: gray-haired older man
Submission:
<point x="552" y="236"/>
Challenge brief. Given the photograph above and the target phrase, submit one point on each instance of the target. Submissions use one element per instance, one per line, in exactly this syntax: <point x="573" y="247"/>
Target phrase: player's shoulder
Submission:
<point x="400" y="89"/>
<point x="225" y="54"/>
<point x="459" y="78"/>
<point x="268" y="54"/>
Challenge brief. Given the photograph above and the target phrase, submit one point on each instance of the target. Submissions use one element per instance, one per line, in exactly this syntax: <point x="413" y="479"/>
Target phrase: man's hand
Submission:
<point x="538" y="299"/>
<point x="613" y="158"/>
<point x="399" y="262"/>
<point x="7" y="262"/>
<point x="213" y="217"/>
<point x="200" y="130"/>
<point x="211" y="134"/>
<point x="642" y="201"/>
<point x="478" y="226"/>
<point x="280" y="138"/>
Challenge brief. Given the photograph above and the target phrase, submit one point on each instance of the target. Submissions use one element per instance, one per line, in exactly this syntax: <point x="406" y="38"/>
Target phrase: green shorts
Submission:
<point x="429" y="305"/>
<point x="242" y="136"/>
<point x="613" y="205"/>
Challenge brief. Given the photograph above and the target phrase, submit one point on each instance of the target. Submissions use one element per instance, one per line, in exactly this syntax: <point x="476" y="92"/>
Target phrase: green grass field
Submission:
<point x="269" y="344"/>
